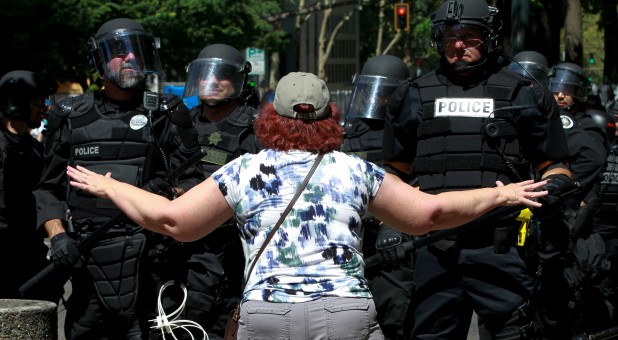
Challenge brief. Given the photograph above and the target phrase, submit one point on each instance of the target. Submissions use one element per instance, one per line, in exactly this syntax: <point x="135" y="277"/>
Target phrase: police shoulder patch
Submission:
<point x="567" y="122"/>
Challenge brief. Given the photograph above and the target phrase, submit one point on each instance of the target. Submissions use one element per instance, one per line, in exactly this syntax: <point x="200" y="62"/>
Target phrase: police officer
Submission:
<point x="465" y="125"/>
<point x="124" y="130"/>
<point x="22" y="250"/>
<point x="212" y="268"/>
<point x="391" y="282"/>
<point x="568" y="235"/>
<point x="606" y="225"/>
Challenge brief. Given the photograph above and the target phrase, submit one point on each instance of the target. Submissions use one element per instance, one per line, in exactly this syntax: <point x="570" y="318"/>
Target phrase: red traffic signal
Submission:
<point x="402" y="17"/>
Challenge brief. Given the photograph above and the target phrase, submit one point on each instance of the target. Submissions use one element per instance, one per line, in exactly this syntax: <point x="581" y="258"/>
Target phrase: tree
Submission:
<point x="50" y="36"/>
<point x="609" y="16"/>
<point x="573" y="33"/>
<point x="327" y="39"/>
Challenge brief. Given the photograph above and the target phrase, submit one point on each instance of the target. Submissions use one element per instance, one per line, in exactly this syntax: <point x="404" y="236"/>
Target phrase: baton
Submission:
<point x="499" y="213"/>
<point x="94" y="237"/>
<point x="493" y="215"/>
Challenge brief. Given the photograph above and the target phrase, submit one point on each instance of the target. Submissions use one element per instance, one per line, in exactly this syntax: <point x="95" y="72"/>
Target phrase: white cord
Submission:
<point x="168" y="323"/>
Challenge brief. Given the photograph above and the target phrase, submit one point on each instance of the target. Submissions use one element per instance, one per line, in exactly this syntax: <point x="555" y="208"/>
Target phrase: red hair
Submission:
<point x="283" y="133"/>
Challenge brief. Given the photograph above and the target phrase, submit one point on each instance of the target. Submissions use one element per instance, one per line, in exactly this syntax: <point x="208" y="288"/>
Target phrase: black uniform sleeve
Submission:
<point x="50" y="192"/>
<point x="539" y="126"/>
<point x="404" y="113"/>
<point x="587" y="159"/>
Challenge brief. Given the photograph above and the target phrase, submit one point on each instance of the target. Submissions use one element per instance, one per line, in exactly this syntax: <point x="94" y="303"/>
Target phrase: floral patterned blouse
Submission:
<point x="317" y="250"/>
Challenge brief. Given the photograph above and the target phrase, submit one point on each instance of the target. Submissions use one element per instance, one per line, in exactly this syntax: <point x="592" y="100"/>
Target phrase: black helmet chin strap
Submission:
<point x="217" y="104"/>
<point x="462" y="66"/>
<point x="466" y="66"/>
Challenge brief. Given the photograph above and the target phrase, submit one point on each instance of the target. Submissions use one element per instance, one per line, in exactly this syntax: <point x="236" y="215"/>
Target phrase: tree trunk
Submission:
<point x="380" y="27"/>
<point x="325" y="44"/>
<point x="298" y="26"/>
<point x="275" y="60"/>
<point x="573" y="33"/>
<point x="610" y="71"/>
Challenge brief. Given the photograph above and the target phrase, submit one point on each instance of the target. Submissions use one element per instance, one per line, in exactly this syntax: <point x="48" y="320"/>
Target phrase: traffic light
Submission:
<point x="402" y="17"/>
<point x="591" y="59"/>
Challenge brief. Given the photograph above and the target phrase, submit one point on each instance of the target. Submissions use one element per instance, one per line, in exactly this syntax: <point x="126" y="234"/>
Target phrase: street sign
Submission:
<point x="257" y="58"/>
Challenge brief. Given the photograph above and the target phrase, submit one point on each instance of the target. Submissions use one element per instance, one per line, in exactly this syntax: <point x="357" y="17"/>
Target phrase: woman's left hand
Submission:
<point x="522" y="192"/>
<point x="90" y="181"/>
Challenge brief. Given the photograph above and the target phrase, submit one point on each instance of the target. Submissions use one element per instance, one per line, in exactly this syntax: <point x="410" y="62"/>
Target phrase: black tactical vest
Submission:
<point x="223" y="140"/>
<point x="468" y="152"/>
<point x="122" y="144"/>
<point x="608" y="191"/>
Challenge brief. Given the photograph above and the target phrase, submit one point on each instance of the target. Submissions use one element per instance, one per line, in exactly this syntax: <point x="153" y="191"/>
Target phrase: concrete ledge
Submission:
<point x="28" y="319"/>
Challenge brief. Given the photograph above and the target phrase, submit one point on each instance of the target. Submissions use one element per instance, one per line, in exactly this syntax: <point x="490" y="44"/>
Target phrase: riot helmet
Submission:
<point x="604" y="121"/>
<point x="218" y="75"/>
<point x="472" y="22"/>
<point x="379" y="78"/>
<point x="531" y="65"/>
<point x="25" y="93"/>
<point x="569" y="79"/>
<point x="123" y="52"/>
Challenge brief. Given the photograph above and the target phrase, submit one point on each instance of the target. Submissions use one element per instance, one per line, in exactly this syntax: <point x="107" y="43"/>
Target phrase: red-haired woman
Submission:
<point x="309" y="281"/>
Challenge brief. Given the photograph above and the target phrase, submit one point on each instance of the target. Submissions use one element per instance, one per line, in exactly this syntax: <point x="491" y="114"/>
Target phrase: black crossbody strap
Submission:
<point x="284" y="214"/>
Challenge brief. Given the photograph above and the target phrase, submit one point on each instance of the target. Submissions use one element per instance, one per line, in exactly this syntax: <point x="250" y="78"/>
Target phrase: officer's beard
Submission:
<point x="127" y="80"/>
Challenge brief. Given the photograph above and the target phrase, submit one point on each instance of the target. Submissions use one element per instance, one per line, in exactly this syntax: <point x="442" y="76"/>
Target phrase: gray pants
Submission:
<point x="324" y="318"/>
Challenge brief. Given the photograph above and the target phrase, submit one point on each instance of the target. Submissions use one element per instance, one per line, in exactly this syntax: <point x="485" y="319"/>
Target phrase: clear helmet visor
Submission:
<point x="569" y="83"/>
<point x="532" y="71"/>
<point x="128" y="53"/>
<point x="370" y="96"/>
<point x="213" y="80"/>
<point x="463" y="36"/>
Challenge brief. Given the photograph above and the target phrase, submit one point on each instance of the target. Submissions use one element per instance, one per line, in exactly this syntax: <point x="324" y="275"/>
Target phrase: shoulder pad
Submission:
<point x="355" y="128"/>
<point x="76" y="106"/>
<point x="506" y="77"/>
<point x="427" y="80"/>
<point x="73" y="106"/>
<point x="69" y="107"/>
<point x="79" y="105"/>
<point x="242" y="116"/>
<point x="168" y="101"/>
<point x="180" y="114"/>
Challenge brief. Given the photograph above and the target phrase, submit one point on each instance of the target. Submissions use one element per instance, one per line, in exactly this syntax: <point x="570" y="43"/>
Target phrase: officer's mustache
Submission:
<point x="129" y="66"/>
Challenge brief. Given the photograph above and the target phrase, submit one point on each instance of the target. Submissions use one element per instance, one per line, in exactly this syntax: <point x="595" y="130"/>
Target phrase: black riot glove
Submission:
<point x="64" y="250"/>
<point x="558" y="184"/>
<point x="160" y="187"/>
<point x="390" y="248"/>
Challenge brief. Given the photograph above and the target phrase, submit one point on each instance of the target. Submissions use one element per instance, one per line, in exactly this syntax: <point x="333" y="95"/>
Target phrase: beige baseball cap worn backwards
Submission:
<point x="301" y="88"/>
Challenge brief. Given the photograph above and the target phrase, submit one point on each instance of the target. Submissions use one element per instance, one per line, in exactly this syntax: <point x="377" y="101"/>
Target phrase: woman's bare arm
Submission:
<point x="189" y="217"/>
<point x="414" y="212"/>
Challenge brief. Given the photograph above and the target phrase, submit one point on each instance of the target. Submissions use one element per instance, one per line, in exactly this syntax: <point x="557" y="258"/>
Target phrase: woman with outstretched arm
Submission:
<point x="309" y="282"/>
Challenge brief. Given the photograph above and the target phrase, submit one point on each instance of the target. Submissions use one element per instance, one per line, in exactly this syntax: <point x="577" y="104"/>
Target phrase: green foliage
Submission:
<point x="414" y="44"/>
<point x="593" y="44"/>
<point x="51" y="36"/>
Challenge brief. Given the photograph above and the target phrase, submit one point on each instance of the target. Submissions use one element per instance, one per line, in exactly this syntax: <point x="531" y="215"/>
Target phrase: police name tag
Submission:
<point x="464" y="107"/>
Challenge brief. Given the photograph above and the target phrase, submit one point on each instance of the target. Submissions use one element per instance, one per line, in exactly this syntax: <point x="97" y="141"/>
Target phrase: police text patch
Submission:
<point x="464" y="107"/>
<point x="85" y="151"/>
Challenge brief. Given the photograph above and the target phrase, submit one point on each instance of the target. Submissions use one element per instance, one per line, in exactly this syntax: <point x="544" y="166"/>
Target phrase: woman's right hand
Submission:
<point x="90" y="181"/>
